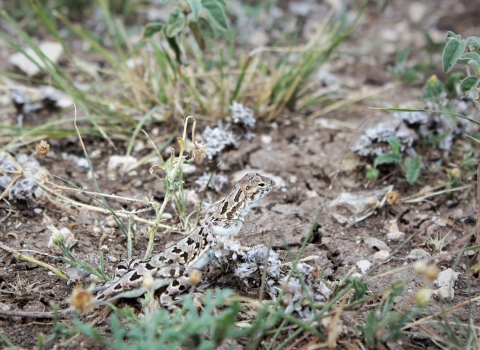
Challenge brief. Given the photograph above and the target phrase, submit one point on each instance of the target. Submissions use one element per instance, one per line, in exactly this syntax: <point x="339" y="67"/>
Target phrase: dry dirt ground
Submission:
<point x="303" y="154"/>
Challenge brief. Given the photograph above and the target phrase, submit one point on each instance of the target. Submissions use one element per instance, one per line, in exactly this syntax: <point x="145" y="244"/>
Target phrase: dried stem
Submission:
<point x="19" y="255"/>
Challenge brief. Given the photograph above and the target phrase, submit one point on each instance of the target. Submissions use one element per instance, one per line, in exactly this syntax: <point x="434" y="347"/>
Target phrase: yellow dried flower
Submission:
<point x="42" y="148"/>
<point x="455" y="172"/>
<point x="392" y="197"/>
<point x="195" y="277"/>
<point x="82" y="299"/>
<point x="432" y="272"/>
<point x="148" y="281"/>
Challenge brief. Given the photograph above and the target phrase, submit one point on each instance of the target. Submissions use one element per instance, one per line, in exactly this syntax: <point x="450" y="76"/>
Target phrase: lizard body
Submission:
<point x="172" y="266"/>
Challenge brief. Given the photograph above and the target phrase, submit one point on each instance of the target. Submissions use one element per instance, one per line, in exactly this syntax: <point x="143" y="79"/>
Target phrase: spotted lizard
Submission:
<point x="172" y="266"/>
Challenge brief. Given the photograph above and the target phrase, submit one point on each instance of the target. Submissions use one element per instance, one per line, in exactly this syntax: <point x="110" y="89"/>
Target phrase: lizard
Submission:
<point x="172" y="266"/>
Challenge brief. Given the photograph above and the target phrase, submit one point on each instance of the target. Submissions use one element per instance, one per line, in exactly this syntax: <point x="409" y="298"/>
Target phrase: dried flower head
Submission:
<point x="82" y="299"/>
<point x="392" y="197"/>
<point x="423" y="297"/>
<point x="148" y="281"/>
<point x="432" y="272"/>
<point x="197" y="150"/>
<point x="195" y="277"/>
<point x="420" y="266"/>
<point x="42" y="149"/>
<point x="455" y="172"/>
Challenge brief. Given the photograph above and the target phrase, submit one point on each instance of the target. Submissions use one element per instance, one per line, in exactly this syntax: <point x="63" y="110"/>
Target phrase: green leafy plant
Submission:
<point x="71" y="259"/>
<point x="465" y="171"/>
<point x="208" y="18"/>
<point x="464" y="51"/>
<point x="385" y="324"/>
<point x="410" y="167"/>
<point x="183" y="328"/>
<point x="401" y="70"/>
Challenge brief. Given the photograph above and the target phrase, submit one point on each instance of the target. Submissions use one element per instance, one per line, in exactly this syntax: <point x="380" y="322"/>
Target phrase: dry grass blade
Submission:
<point x="19" y="255"/>
<point x="423" y="195"/>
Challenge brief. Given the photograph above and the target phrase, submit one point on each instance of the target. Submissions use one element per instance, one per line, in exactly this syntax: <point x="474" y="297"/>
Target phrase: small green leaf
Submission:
<point x="216" y="13"/>
<point x="176" y="23"/>
<point x="475" y="66"/>
<point x="196" y="7"/>
<point x="395" y="144"/>
<point x="388" y="158"/>
<point x="468" y="84"/>
<point x="151" y="29"/>
<point x="206" y="28"/>
<point x="413" y="167"/>
<point x="172" y="42"/>
<point x="468" y="57"/>
<point x="372" y="174"/>
<point x="452" y="35"/>
<point x="452" y="52"/>
<point x="473" y="43"/>
<point x="472" y="59"/>
<point x="450" y="84"/>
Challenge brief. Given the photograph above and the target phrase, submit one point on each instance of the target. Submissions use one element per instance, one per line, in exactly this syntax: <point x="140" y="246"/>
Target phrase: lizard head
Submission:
<point x="254" y="187"/>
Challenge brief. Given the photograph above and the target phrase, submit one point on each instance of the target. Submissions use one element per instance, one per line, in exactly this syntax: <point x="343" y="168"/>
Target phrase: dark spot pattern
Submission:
<point x="176" y="250"/>
<point x="181" y="288"/>
<point x="184" y="256"/>
<point x="190" y="241"/>
<point x="231" y="214"/>
<point x="149" y="267"/>
<point x="101" y="297"/>
<point x="197" y="245"/>
<point x="224" y="208"/>
<point x="118" y="287"/>
<point x="173" y="272"/>
<point x="237" y="196"/>
<point x="135" y="277"/>
<point x="175" y="283"/>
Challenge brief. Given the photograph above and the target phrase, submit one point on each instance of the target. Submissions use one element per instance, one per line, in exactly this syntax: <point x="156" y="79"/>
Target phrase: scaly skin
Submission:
<point x="172" y="266"/>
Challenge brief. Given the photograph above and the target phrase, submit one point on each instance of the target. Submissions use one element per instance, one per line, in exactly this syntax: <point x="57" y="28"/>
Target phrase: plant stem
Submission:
<point x="19" y="255"/>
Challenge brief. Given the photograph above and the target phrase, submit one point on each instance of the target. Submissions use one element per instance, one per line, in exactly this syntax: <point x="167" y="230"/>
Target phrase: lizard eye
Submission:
<point x="261" y="184"/>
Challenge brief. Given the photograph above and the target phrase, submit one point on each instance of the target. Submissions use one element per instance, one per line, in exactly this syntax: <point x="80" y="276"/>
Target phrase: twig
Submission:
<point x="19" y="255"/>
<point x="464" y="303"/>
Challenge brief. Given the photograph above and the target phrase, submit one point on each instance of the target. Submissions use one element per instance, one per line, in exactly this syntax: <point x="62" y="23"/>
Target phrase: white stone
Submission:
<point x="266" y="139"/>
<point x="445" y="280"/>
<point x="188" y="168"/>
<point x="416" y="11"/>
<point x="116" y="163"/>
<point x="364" y="265"/>
<point x="52" y="50"/>
<point x="395" y="236"/>
<point x="67" y="235"/>
<point x="381" y="255"/>
<point x="417" y="254"/>
<point x="258" y="38"/>
<point x="376" y="243"/>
